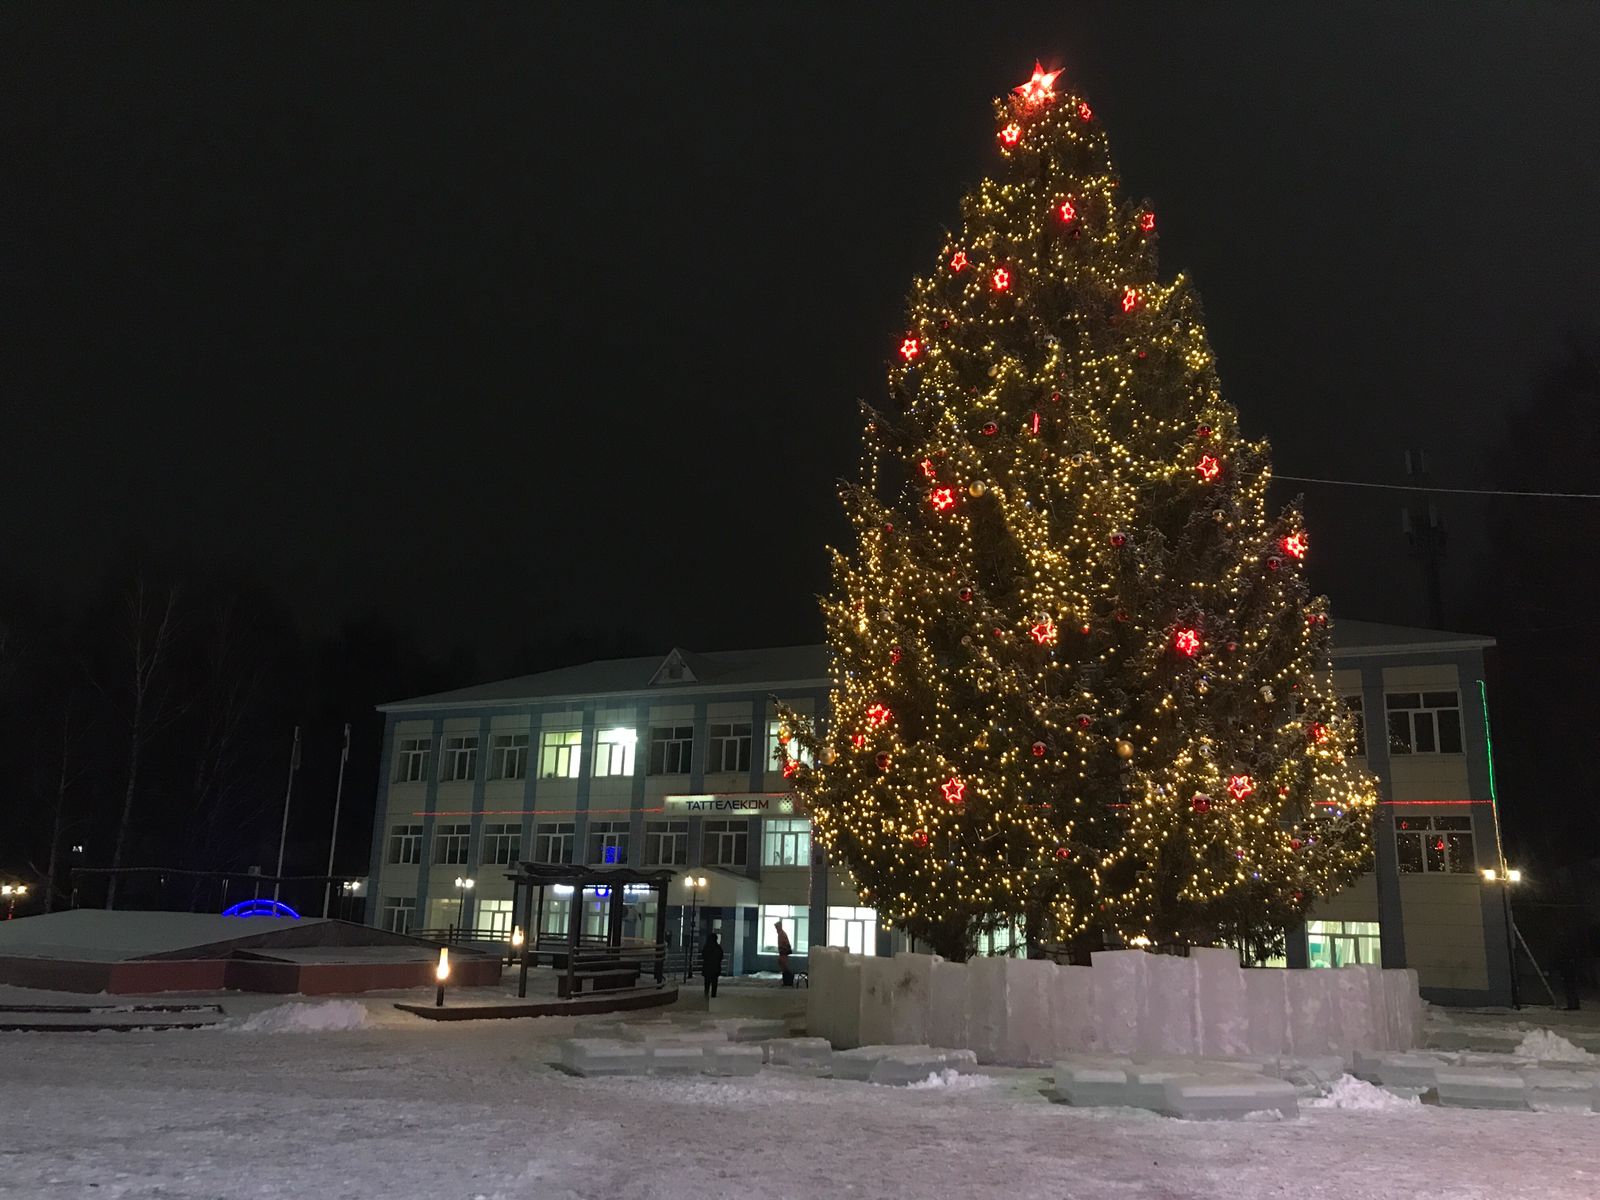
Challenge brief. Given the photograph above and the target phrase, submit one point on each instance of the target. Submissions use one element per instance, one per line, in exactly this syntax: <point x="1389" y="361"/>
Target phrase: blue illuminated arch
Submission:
<point x="261" y="908"/>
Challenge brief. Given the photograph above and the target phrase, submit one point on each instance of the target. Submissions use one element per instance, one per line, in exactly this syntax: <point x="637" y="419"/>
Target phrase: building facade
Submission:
<point x="674" y="762"/>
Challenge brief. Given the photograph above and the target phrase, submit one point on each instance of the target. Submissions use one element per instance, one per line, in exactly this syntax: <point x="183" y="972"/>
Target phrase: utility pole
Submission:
<point x="288" y="792"/>
<point x="333" y="838"/>
<point x="1419" y="520"/>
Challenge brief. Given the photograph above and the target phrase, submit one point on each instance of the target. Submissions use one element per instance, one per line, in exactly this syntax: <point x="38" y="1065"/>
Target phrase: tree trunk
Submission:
<point x="135" y="744"/>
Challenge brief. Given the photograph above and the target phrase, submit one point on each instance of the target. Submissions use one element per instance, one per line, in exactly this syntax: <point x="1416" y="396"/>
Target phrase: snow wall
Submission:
<point x="1015" y="1011"/>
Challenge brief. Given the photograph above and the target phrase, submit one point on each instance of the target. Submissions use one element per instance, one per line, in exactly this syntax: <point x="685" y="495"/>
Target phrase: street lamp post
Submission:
<point x="696" y="884"/>
<point x="11" y="893"/>
<point x="441" y="973"/>
<point x="1507" y="878"/>
<point x="464" y="886"/>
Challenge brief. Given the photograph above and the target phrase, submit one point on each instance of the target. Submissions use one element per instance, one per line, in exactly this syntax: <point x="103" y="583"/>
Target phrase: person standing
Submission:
<point x="784" y="950"/>
<point x="711" y="963"/>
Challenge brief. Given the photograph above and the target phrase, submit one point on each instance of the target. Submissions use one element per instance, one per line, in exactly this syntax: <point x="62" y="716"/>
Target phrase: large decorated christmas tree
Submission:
<point x="1078" y="677"/>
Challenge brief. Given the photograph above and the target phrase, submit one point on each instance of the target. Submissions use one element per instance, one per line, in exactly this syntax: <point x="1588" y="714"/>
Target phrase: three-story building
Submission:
<point x="675" y="762"/>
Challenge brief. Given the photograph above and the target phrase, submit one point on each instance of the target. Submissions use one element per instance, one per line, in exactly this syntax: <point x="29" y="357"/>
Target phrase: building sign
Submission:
<point x="731" y="804"/>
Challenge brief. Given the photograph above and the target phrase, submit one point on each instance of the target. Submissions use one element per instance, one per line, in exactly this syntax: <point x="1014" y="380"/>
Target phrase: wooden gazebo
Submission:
<point x="604" y="960"/>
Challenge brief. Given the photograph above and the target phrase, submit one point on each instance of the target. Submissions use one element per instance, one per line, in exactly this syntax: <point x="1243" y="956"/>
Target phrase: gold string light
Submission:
<point x="1077" y="673"/>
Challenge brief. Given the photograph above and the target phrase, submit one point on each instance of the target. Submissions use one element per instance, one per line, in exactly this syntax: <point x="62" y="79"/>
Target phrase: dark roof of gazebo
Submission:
<point x="578" y="874"/>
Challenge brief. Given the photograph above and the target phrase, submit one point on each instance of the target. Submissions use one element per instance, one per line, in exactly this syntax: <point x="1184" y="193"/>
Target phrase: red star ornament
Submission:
<point x="1041" y="88"/>
<point x="954" y="790"/>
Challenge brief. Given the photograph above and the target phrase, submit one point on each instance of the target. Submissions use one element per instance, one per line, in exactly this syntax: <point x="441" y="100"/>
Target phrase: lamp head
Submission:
<point x="442" y="971"/>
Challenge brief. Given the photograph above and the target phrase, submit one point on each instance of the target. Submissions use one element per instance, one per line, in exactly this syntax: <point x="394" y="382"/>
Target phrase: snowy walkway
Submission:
<point x="404" y="1108"/>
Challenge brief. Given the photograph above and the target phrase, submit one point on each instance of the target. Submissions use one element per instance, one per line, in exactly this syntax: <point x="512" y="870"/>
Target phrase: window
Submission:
<point x="559" y="753"/>
<point x="1008" y="941"/>
<point x="726" y="843"/>
<point x="1435" y="845"/>
<point x="1340" y="943"/>
<point x="450" y="843"/>
<point x="493" y="917"/>
<point x="786" y="843"/>
<point x="1424" y="722"/>
<point x="1357" y="713"/>
<point x="413" y="764"/>
<point x="508" y="756"/>
<point x="405" y="844"/>
<point x="796" y="923"/>
<point x="854" y="929"/>
<point x="552" y="842"/>
<point x="613" y="752"/>
<point x="608" y="842"/>
<point x="670" y="746"/>
<point x="727" y="746"/>
<point x="778" y="752"/>
<point x="666" y="843"/>
<point x="399" y="913"/>
<point x="460" y="758"/>
<point x="502" y="844"/>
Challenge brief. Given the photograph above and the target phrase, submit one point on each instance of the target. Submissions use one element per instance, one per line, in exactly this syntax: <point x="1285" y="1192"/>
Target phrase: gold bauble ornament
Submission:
<point x="829" y="755"/>
<point x="1124" y="749"/>
<point x="976" y="488"/>
<point x="994" y="370"/>
<point x="1202" y="687"/>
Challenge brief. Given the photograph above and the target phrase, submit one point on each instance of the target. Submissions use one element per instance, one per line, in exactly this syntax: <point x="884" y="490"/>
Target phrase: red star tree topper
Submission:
<point x="1135" y="515"/>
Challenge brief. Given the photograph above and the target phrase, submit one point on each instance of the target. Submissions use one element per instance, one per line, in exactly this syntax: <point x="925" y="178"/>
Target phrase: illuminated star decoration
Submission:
<point x="1041" y="88"/>
<point x="1011" y="134"/>
<point x="1147" y="222"/>
<point x="1044" y="632"/>
<point x="942" y="498"/>
<point x="954" y="790"/>
<point x="1208" y="467"/>
<point x="1130" y="299"/>
<point x="1186" y="642"/>
<point x="910" y="348"/>
<point x="958" y="261"/>
<point x="928" y="468"/>
<point x="1296" y="544"/>
<point x="878" y="715"/>
<point x="790" y="766"/>
<point x="1001" y="279"/>
<point x="1240" y="786"/>
<point x="1067" y="209"/>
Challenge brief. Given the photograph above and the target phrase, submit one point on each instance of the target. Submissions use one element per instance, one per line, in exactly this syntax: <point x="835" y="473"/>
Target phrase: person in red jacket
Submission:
<point x="784" y="950"/>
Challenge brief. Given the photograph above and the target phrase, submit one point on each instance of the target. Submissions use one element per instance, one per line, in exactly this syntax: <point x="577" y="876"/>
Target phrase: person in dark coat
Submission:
<point x="711" y="963"/>
<point x="785" y="948"/>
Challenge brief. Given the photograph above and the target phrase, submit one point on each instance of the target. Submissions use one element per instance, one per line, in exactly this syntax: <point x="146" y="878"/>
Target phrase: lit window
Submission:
<point x="728" y="747"/>
<point x="778" y="751"/>
<point x="613" y="752"/>
<point x="853" y="929"/>
<point x="786" y="843"/>
<point x="460" y="758"/>
<point x="552" y="841"/>
<point x="670" y="748"/>
<point x="405" y="845"/>
<point x="1340" y="943"/>
<point x="412" y="765"/>
<point x="666" y="843"/>
<point x="796" y="923"/>
<point x="508" y="756"/>
<point x="502" y="844"/>
<point x="493" y="918"/>
<point x="1424" y="722"/>
<point x="1435" y="845"/>
<point x="450" y="844"/>
<point x="559" y="753"/>
<point x="608" y="842"/>
<point x="726" y="843"/>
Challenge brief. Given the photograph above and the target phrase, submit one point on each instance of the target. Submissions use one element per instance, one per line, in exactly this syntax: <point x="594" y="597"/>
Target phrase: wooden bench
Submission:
<point x="603" y="980"/>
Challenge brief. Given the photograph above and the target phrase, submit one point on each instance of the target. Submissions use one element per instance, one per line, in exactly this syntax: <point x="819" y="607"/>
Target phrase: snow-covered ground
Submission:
<point x="319" y="1104"/>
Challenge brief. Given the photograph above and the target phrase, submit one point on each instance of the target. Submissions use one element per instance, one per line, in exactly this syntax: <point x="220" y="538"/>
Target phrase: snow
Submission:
<point x="1551" y="1047"/>
<point x="325" y="1016"/>
<point x="404" y="1107"/>
<point x="1351" y="1093"/>
<point x="952" y="1079"/>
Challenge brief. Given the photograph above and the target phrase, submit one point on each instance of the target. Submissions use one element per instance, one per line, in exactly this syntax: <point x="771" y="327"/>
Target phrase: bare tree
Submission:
<point x="152" y="623"/>
<point x="69" y="769"/>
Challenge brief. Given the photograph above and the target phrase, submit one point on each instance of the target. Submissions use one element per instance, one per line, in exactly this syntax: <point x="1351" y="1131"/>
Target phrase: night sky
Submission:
<point x="509" y="323"/>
